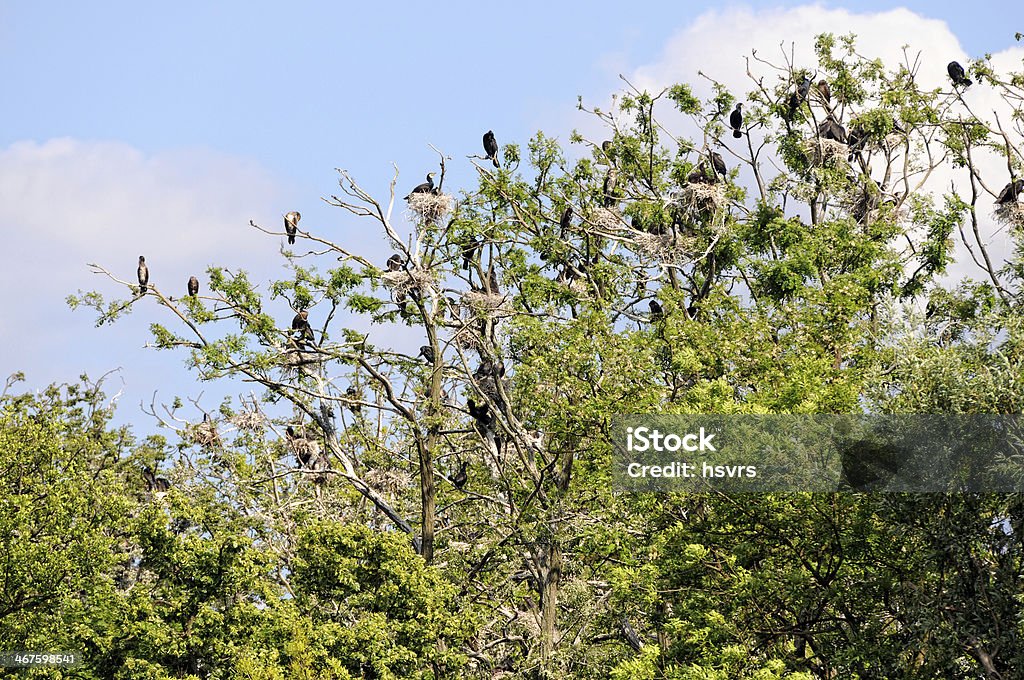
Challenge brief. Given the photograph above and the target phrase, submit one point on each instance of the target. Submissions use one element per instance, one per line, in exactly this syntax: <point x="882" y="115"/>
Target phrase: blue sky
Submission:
<point x="131" y="128"/>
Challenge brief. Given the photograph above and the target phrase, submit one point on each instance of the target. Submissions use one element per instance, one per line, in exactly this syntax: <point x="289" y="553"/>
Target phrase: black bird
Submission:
<point x="469" y="252"/>
<point x="657" y="311"/>
<point x="718" y="163"/>
<point x="824" y="91"/>
<point x="303" y="451"/>
<point x="491" y="148"/>
<point x="425" y="188"/>
<point x="736" y="120"/>
<point x="482" y="416"/>
<point x="857" y="140"/>
<point x="958" y="75"/>
<point x="395" y="262"/>
<point x="831" y="129"/>
<point x="300" y="324"/>
<point x="460" y="478"/>
<point x="610" y="180"/>
<point x="492" y="282"/>
<point x="1010" y="192"/>
<point x="566" y="221"/>
<point x="143" y="275"/>
<point x="427" y="352"/>
<point x="193" y="286"/>
<point x="291" y="225"/>
<point x="798" y="96"/>
<point x="353" y="394"/>
<point x="153" y="482"/>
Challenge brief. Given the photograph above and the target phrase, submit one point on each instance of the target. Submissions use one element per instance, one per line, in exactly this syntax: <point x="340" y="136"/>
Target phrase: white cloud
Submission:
<point x="66" y="202"/>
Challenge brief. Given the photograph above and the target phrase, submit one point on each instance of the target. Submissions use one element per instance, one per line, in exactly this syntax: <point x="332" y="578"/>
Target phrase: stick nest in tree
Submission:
<point x="430" y="207"/>
<point x="404" y="281"/>
<point x="607" y="219"/>
<point x="202" y="434"/>
<point x="390" y="482"/>
<point x="1010" y="214"/>
<point x="305" y="449"/>
<point x="484" y="304"/>
<point x="821" y="152"/>
<point x="664" y="248"/>
<point x="700" y="198"/>
<point x="247" y="420"/>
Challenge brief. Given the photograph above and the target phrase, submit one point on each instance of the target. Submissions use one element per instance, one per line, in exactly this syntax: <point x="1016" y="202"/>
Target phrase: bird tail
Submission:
<point x="968" y="82"/>
<point x="494" y="159"/>
<point x="737" y="134"/>
<point x="291" y="240"/>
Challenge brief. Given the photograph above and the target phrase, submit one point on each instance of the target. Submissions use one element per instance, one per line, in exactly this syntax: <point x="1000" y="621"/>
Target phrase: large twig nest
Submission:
<point x="698" y="198"/>
<point x="821" y="152"/>
<point x="663" y="248"/>
<point x="247" y="420"/>
<point x="306" y="449"/>
<point x="202" y="434"/>
<point x="430" y="207"/>
<point x="404" y="281"/>
<point x="608" y="219"/>
<point x="1010" y="214"/>
<point x="391" y="482"/>
<point x="484" y="304"/>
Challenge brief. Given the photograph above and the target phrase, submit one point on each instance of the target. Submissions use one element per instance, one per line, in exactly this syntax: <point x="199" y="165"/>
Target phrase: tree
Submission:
<point x="787" y="284"/>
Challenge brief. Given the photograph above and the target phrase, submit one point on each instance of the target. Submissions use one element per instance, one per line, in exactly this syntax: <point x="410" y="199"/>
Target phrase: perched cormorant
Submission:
<point x="291" y="225"/>
<point x="831" y="129"/>
<point x="736" y="120"/>
<point x="469" y="252"/>
<point x="492" y="282"/>
<point x="425" y="188"/>
<point x="1010" y="192"/>
<point x="481" y="415"/>
<point x="957" y="74"/>
<point x="395" y="262"/>
<point x="718" y="163"/>
<point x="566" y="220"/>
<point x="460" y="478"/>
<point x="657" y="311"/>
<point x="491" y="148"/>
<point x="155" y="484"/>
<point x="857" y="140"/>
<point x="193" y="286"/>
<point x="300" y="324"/>
<point x="427" y="352"/>
<point x="143" y="275"/>
<point x="824" y="91"/>
<point x="610" y="180"/>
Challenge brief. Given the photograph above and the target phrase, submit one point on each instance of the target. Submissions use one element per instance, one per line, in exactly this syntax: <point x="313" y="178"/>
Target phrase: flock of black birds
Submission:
<point x="707" y="171"/>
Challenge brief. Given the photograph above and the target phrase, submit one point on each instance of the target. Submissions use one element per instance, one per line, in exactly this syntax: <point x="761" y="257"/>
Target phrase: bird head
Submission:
<point x="142" y="260"/>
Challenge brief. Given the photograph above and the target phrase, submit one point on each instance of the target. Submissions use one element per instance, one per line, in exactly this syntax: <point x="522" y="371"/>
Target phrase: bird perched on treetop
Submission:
<point x="957" y="74"/>
<point x="291" y="225"/>
<point x="304" y="331"/>
<point x="657" y="311"/>
<point x="143" y="275"/>
<point x="425" y="188"/>
<point x="736" y="120"/>
<point x="491" y="147"/>
<point x="824" y="91"/>
<point x="193" y="286"/>
<point x="395" y="262"/>
<point x="1010" y="192"/>
<point x="718" y="163"/>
